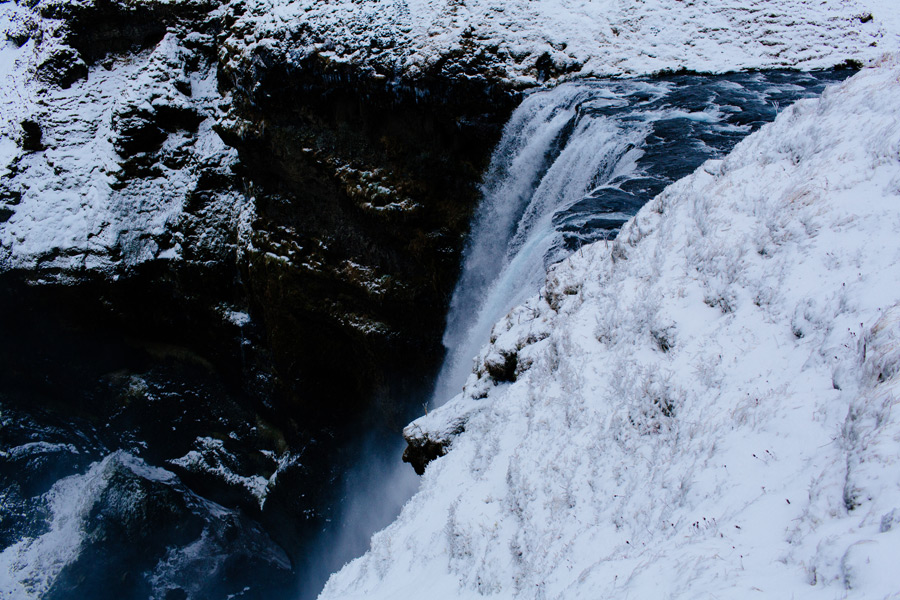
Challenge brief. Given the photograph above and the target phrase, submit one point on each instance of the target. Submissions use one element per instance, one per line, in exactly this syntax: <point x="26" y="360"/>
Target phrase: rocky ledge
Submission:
<point x="332" y="215"/>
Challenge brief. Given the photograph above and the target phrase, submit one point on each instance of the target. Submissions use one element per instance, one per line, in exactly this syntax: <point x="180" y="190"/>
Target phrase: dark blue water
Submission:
<point x="694" y="118"/>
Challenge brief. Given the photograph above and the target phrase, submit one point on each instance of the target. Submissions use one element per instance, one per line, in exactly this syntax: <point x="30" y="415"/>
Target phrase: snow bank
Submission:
<point x="702" y="408"/>
<point x="527" y="41"/>
<point x="81" y="196"/>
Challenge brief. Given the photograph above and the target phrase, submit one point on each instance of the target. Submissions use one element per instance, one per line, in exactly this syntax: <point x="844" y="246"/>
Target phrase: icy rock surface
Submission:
<point x="525" y="42"/>
<point x="127" y="529"/>
<point x="703" y="407"/>
<point x="97" y="169"/>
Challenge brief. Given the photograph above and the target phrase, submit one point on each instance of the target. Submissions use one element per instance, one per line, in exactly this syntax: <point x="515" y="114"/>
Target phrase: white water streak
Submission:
<point x="552" y="154"/>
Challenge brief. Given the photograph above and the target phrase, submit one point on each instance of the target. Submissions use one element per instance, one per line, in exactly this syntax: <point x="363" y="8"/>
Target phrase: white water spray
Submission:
<point x="554" y="150"/>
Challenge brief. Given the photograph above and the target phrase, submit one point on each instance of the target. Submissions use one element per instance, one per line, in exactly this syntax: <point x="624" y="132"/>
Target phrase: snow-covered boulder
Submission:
<point x="703" y="407"/>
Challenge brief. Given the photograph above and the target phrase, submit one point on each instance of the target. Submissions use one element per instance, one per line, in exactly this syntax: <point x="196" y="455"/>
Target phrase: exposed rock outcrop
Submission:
<point x="226" y="272"/>
<point x="335" y="217"/>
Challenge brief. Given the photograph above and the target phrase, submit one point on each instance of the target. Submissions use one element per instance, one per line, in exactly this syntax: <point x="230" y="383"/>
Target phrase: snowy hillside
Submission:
<point x="527" y="41"/>
<point x="703" y="408"/>
<point x="96" y="172"/>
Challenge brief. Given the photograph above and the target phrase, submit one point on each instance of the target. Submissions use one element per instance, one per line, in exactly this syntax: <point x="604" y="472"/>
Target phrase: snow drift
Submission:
<point x="701" y="408"/>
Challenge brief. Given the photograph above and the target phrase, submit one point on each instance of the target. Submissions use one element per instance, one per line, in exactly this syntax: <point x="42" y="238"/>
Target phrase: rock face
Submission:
<point x="362" y="192"/>
<point x="335" y="217"/>
<point x="225" y="271"/>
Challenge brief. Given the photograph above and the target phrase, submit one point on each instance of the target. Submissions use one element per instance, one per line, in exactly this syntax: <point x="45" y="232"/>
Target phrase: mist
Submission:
<point x="372" y="493"/>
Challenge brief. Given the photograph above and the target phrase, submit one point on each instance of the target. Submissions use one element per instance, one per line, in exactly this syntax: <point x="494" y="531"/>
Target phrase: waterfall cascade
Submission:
<point x="574" y="163"/>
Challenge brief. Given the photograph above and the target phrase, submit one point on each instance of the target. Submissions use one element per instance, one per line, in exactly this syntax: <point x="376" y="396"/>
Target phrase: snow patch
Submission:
<point x="31" y="565"/>
<point x="212" y="458"/>
<point x="528" y="41"/>
<point x="77" y="202"/>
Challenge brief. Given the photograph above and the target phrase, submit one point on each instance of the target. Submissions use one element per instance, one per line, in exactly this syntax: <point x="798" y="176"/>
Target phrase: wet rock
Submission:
<point x="338" y="225"/>
<point x="141" y="534"/>
<point x="97" y="28"/>
<point x="130" y="522"/>
<point x="364" y="189"/>
<point x="428" y="440"/>
<point x="137" y="131"/>
<point x="62" y="67"/>
<point x="501" y="366"/>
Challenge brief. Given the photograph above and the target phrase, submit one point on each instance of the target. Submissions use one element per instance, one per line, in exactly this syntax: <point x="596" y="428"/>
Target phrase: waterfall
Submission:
<point x="573" y="164"/>
<point x="558" y="146"/>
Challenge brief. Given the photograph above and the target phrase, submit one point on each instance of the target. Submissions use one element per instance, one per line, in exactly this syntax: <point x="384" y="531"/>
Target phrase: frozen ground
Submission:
<point x="527" y="41"/>
<point x="703" y="408"/>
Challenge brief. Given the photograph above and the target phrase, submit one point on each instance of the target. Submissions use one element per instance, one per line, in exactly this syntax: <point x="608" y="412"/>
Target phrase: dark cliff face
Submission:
<point x="363" y="190"/>
<point x="306" y="298"/>
<point x="356" y="189"/>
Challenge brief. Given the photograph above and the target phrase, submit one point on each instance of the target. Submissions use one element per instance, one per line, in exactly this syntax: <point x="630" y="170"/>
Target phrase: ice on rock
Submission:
<point x="96" y="173"/>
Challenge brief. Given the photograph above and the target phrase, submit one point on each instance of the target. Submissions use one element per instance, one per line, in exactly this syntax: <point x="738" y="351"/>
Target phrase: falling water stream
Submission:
<point x="574" y="163"/>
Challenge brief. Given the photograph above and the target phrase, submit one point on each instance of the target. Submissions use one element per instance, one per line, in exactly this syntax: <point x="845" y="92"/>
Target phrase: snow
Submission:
<point x="886" y="12"/>
<point x="702" y="408"/>
<point x="237" y="317"/>
<point x="78" y="510"/>
<point x="13" y="95"/>
<point x="213" y="459"/>
<point x="31" y="565"/>
<point x="578" y="37"/>
<point x="79" y="208"/>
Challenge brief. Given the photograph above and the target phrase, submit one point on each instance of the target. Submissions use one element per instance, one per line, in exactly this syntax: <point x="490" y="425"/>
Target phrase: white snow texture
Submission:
<point x="78" y="211"/>
<point x="703" y="408"/>
<point x="516" y="39"/>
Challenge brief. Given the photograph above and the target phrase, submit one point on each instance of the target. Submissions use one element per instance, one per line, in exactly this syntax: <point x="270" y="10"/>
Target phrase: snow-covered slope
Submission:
<point x="527" y="41"/>
<point x="704" y="408"/>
